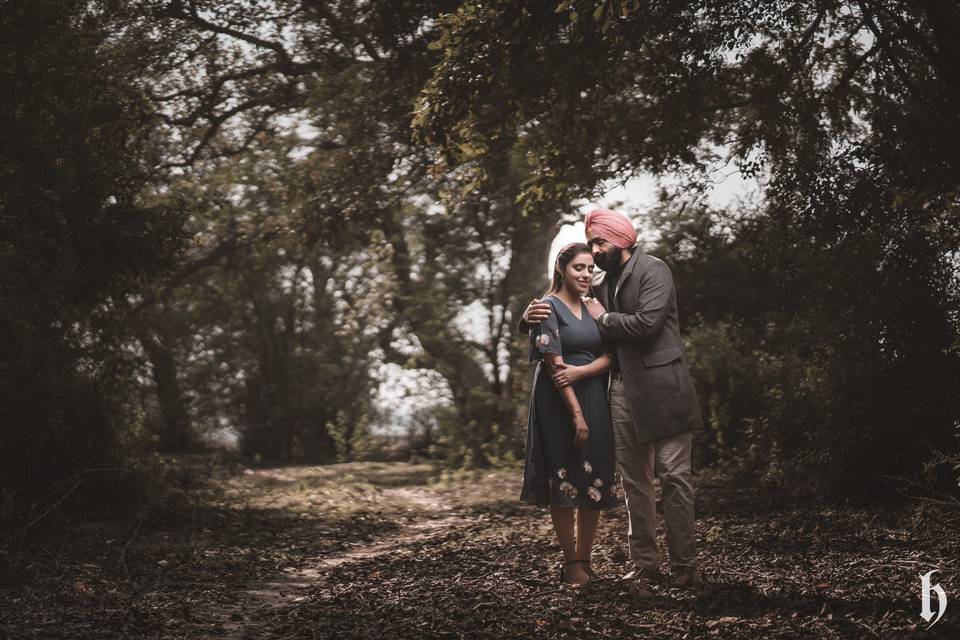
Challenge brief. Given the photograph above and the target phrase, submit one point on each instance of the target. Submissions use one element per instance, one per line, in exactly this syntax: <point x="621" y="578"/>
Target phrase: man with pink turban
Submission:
<point x="652" y="400"/>
<point x="614" y="227"/>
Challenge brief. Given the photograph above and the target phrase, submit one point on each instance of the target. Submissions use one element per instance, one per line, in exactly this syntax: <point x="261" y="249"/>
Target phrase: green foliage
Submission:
<point x="74" y="240"/>
<point x="810" y="360"/>
<point x="821" y="325"/>
<point x="387" y="260"/>
<point x="269" y="341"/>
<point x="351" y="437"/>
<point x="352" y="187"/>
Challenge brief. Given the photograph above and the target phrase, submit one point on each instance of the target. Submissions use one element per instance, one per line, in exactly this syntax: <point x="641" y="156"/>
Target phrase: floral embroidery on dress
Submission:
<point x="561" y="473"/>
<point x="543" y="340"/>
<point x="587" y="467"/>
<point x="598" y="482"/>
<point x="568" y="489"/>
<point x="593" y="493"/>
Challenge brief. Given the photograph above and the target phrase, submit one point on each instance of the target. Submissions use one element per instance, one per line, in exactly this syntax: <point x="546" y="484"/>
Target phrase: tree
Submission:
<point x="849" y="108"/>
<point x="359" y="189"/>
<point x="75" y="238"/>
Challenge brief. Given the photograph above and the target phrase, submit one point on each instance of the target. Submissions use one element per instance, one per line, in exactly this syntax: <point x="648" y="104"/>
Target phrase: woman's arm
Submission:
<point x="567" y="374"/>
<point x="554" y="363"/>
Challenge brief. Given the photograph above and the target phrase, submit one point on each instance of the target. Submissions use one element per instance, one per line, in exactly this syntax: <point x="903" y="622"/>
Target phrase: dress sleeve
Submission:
<point x="545" y="337"/>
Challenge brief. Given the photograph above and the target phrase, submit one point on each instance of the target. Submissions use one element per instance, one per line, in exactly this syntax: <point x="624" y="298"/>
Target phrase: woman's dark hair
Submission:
<point x="566" y="254"/>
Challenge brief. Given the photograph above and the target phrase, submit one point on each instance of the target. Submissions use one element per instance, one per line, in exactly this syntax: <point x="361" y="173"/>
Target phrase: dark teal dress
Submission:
<point x="556" y="473"/>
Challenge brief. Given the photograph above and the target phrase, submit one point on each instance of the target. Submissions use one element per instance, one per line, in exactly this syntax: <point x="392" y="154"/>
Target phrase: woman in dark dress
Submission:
<point x="570" y="453"/>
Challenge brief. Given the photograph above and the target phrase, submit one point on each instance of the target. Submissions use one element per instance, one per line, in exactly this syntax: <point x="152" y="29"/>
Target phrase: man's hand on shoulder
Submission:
<point x="537" y="311"/>
<point x="594" y="307"/>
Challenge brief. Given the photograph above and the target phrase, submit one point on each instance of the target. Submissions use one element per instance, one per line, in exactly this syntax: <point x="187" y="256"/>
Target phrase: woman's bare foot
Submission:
<point x="573" y="573"/>
<point x="588" y="569"/>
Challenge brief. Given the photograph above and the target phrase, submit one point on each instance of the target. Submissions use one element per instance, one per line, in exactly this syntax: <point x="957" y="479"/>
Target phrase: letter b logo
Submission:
<point x="925" y="611"/>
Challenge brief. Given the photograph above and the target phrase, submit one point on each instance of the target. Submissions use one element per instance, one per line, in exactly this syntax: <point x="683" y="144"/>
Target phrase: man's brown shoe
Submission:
<point x="645" y="574"/>
<point x="685" y="577"/>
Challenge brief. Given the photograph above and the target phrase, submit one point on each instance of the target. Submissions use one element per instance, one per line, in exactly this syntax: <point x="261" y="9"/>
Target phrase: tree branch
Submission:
<point x="884" y="42"/>
<point x="176" y="10"/>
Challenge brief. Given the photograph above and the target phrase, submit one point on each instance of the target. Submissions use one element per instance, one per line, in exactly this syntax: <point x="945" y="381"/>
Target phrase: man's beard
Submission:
<point x="608" y="259"/>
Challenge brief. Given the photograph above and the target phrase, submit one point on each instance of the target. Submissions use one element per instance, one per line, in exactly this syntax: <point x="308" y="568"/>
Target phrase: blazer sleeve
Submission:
<point x="522" y="327"/>
<point x="656" y="297"/>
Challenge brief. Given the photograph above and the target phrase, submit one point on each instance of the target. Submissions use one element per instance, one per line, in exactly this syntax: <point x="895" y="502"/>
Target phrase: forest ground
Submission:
<point x="384" y="550"/>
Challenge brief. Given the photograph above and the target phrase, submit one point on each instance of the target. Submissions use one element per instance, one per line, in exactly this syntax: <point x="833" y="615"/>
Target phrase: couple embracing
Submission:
<point x="611" y="391"/>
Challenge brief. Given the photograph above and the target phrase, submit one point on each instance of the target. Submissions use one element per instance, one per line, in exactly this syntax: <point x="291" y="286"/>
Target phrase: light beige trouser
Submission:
<point x="637" y="462"/>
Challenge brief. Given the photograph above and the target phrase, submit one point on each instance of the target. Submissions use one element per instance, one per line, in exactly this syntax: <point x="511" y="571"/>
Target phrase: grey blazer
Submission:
<point x="646" y="333"/>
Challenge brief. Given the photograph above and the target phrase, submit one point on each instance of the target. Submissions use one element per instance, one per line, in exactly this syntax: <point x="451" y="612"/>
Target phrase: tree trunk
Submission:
<point x="174" y="428"/>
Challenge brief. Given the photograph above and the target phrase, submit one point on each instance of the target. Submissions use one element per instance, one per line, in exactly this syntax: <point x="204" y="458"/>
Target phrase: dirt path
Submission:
<point x="434" y="516"/>
<point x="369" y="550"/>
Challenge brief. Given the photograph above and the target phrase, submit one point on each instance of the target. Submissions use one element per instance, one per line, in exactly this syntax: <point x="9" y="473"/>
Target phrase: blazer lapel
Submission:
<point x="627" y="270"/>
<point x="601" y="288"/>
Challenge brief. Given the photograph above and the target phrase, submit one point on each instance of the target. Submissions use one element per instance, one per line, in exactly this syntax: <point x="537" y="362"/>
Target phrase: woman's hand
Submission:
<point x="582" y="432"/>
<point x="566" y="375"/>
<point x="594" y="308"/>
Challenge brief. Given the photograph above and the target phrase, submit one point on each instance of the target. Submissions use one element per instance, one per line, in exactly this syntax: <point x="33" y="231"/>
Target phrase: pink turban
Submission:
<point x="613" y="227"/>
